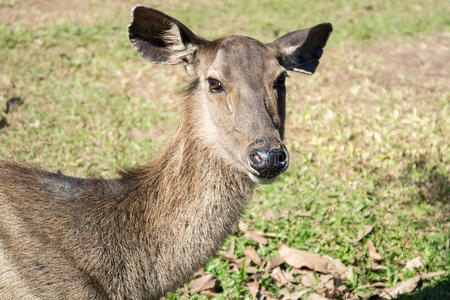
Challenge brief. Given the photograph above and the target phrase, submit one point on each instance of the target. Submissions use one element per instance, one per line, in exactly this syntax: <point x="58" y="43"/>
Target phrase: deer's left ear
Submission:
<point x="301" y="50"/>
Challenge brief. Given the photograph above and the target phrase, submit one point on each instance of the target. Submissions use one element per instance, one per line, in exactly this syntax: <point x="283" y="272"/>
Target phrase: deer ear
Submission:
<point x="160" y="38"/>
<point x="301" y="50"/>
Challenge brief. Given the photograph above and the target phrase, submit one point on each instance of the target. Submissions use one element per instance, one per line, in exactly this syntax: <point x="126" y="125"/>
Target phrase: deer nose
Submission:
<point x="269" y="162"/>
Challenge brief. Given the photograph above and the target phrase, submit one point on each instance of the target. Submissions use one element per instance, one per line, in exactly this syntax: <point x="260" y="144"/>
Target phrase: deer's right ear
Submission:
<point x="160" y="38"/>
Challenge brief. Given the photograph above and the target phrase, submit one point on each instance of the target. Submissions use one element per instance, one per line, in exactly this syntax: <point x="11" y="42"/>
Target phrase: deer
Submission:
<point x="143" y="234"/>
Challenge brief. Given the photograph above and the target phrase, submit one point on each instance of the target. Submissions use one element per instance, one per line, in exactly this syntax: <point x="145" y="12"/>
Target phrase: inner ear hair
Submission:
<point x="160" y="38"/>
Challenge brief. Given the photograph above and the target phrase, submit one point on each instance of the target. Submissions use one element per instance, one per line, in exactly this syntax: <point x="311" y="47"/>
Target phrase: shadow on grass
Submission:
<point x="440" y="290"/>
<point x="437" y="291"/>
<point x="433" y="184"/>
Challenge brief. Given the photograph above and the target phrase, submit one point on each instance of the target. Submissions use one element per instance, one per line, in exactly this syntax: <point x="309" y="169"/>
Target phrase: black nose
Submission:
<point x="269" y="163"/>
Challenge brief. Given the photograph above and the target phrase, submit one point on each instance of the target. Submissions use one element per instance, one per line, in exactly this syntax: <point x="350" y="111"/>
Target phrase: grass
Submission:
<point x="368" y="134"/>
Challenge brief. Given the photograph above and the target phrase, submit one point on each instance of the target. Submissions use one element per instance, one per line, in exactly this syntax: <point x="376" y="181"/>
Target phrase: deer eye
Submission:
<point x="279" y="82"/>
<point x="215" y="86"/>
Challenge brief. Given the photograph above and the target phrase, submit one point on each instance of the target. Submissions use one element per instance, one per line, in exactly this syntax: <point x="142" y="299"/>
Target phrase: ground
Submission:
<point x="368" y="134"/>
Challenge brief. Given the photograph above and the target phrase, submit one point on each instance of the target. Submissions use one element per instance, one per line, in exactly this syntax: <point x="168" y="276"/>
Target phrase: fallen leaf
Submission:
<point x="336" y="266"/>
<point x="376" y="267"/>
<point x="377" y="284"/>
<point x="267" y="234"/>
<point x="242" y="226"/>
<point x="6" y="80"/>
<point x="38" y="42"/>
<point x="199" y="273"/>
<point x="316" y="297"/>
<point x="35" y="124"/>
<point x="256" y="237"/>
<point x="367" y="6"/>
<point x="366" y="213"/>
<point x="253" y="288"/>
<point x="300" y="213"/>
<point x="274" y="262"/>
<point x="327" y="281"/>
<point x="205" y="282"/>
<point x="250" y="252"/>
<point x="433" y="274"/>
<point x="296" y="271"/>
<point x="268" y="214"/>
<point x="341" y="288"/>
<point x="283" y="293"/>
<point x="324" y="264"/>
<point x="251" y="270"/>
<point x="308" y="279"/>
<point x="279" y="276"/>
<point x="373" y="254"/>
<point x="414" y="263"/>
<point x="138" y="134"/>
<point x="403" y="287"/>
<point x="209" y="294"/>
<point x="226" y="255"/>
<point x="364" y="232"/>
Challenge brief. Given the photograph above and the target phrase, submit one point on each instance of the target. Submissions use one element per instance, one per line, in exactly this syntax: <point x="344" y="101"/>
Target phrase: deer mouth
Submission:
<point x="262" y="180"/>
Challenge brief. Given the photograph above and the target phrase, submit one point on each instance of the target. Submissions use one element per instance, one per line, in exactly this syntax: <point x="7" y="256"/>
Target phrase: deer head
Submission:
<point x="237" y="103"/>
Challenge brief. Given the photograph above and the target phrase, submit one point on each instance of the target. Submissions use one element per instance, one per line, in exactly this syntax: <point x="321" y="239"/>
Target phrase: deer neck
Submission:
<point x="188" y="200"/>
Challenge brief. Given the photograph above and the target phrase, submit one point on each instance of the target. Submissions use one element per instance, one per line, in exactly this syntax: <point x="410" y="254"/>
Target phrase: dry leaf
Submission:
<point x="232" y="247"/>
<point x="308" y="279"/>
<point x="268" y="214"/>
<point x="324" y="264"/>
<point x="205" y="282"/>
<point x="138" y="134"/>
<point x="251" y="270"/>
<point x="327" y="282"/>
<point x="341" y="288"/>
<point x="414" y="263"/>
<point x="250" y="252"/>
<point x="274" y="262"/>
<point x="200" y="272"/>
<point x="403" y="287"/>
<point x="267" y="234"/>
<point x="279" y="276"/>
<point x="432" y="274"/>
<point x="377" y="284"/>
<point x="300" y="213"/>
<point x="256" y="237"/>
<point x="242" y="226"/>
<point x="6" y="80"/>
<point x="316" y="297"/>
<point x="376" y="267"/>
<point x="226" y="255"/>
<point x="373" y="254"/>
<point x="366" y="213"/>
<point x="363" y="232"/>
<point x="209" y="294"/>
<point x="336" y="266"/>
<point x="253" y="288"/>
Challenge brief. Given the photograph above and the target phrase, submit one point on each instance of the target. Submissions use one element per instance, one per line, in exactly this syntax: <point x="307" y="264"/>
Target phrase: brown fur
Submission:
<point x="146" y="232"/>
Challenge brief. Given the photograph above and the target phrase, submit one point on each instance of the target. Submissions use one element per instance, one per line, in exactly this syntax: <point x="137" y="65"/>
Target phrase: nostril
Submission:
<point x="282" y="157"/>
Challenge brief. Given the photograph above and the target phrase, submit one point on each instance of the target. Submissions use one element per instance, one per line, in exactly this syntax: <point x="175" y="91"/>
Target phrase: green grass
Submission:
<point x="368" y="134"/>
